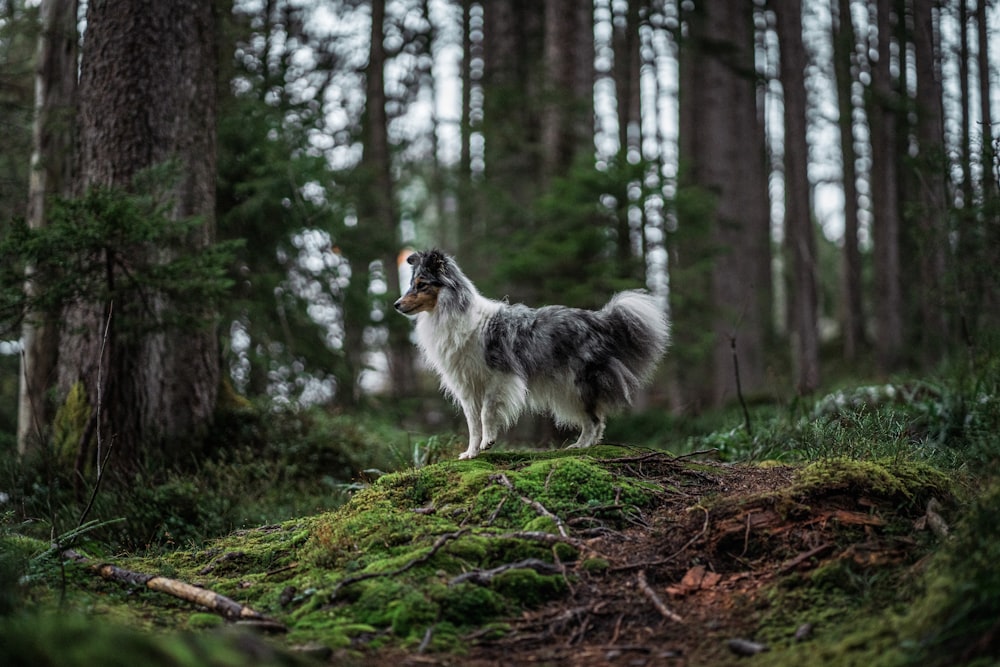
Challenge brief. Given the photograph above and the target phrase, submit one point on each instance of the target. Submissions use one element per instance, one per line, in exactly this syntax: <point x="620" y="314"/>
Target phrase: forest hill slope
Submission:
<point x="611" y="555"/>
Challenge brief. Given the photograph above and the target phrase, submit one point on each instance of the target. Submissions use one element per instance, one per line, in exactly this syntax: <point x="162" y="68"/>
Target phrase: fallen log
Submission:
<point x="220" y="604"/>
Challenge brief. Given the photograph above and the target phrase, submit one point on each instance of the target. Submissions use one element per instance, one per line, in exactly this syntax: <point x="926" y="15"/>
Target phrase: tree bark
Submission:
<point x="54" y="139"/>
<point x="378" y="203"/>
<point x="627" y="72"/>
<point x="567" y="126"/>
<point x="991" y="174"/>
<point x="800" y="242"/>
<point x="722" y="178"/>
<point x="990" y="185"/>
<point x="883" y="103"/>
<point x="931" y="194"/>
<point x="852" y="309"/>
<point x="147" y="97"/>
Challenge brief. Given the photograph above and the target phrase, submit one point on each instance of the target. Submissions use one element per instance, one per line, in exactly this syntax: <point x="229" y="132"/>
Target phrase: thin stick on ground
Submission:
<point x="667" y="559"/>
<point x="739" y="387"/>
<point x="440" y="542"/>
<point x="220" y="604"/>
<point x="534" y="504"/>
<point x="648" y="591"/>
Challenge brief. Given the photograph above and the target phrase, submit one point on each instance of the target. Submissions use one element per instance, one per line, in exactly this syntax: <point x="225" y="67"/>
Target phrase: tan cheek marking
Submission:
<point x="419" y="302"/>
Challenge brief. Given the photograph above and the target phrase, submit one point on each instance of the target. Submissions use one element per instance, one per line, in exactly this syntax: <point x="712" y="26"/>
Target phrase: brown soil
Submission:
<point x="684" y="584"/>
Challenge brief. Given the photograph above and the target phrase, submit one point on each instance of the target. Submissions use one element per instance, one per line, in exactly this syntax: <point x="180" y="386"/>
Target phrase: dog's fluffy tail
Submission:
<point x="641" y="326"/>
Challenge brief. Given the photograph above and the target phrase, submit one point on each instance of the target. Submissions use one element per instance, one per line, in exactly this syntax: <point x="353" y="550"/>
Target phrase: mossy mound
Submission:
<point x="396" y="551"/>
<point x="422" y="556"/>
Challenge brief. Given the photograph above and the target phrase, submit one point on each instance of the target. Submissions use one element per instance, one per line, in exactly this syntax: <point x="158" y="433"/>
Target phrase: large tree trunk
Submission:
<point x="888" y="302"/>
<point x="723" y="233"/>
<point x="800" y="243"/>
<point x="54" y="139"/>
<point x="147" y="96"/>
<point x="991" y="188"/>
<point x="852" y="309"/>
<point x="931" y="194"/>
<point x="567" y="125"/>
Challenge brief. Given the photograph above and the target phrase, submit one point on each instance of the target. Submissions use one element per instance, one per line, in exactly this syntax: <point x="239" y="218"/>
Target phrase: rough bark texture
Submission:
<point x="852" y="309"/>
<point x="147" y="96"/>
<point x="800" y="242"/>
<point x="885" y="199"/>
<point x="54" y="139"/>
<point x="720" y="154"/>
<point x="931" y="191"/>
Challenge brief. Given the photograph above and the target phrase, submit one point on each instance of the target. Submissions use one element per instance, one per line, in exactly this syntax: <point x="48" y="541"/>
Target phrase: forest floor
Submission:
<point x="694" y="583"/>
<point x="607" y="556"/>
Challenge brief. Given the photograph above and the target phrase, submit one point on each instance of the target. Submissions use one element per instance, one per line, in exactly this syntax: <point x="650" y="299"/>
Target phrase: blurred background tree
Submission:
<point x="815" y="184"/>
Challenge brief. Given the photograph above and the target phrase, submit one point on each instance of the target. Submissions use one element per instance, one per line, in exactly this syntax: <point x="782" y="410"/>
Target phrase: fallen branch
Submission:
<point x="484" y="577"/>
<point x="543" y="537"/>
<point x="648" y="591"/>
<point x="440" y="542"/>
<point x="534" y="504"/>
<point x="667" y="559"/>
<point x="226" y="607"/>
<point x="793" y="563"/>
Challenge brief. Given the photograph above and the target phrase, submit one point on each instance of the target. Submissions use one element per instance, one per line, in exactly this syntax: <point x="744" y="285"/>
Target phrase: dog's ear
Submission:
<point x="413" y="258"/>
<point x="435" y="261"/>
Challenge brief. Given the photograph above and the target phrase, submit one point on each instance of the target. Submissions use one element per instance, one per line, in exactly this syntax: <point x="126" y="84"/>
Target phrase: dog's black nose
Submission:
<point x="398" y="305"/>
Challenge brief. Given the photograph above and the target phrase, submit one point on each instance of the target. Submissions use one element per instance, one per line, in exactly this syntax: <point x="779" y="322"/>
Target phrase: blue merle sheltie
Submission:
<point x="497" y="359"/>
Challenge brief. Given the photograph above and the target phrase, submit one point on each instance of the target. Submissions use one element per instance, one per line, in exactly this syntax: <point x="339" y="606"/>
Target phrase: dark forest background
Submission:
<point x="203" y="205"/>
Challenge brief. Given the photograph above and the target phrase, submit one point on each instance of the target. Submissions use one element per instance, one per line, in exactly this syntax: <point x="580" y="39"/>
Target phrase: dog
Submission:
<point x="496" y="359"/>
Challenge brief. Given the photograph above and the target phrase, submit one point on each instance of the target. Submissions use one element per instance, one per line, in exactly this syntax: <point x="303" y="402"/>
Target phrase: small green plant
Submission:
<point x="114" y="245"/>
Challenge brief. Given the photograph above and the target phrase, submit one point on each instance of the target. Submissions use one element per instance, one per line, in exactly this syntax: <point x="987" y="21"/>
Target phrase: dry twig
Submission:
<point x="440" y="542"/>
<point x="648" y="591"/>
<point x="534" y="504"/>
<point x="663" y="561"/>
<point x="484" y="577"/>
<point x="226" y="607"/>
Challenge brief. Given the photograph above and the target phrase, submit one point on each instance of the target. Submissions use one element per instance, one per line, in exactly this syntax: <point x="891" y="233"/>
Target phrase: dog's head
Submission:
<point x="429" y="277"/>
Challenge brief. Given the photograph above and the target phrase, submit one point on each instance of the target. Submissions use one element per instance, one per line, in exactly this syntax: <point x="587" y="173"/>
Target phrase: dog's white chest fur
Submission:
<point x="454" y="347"/>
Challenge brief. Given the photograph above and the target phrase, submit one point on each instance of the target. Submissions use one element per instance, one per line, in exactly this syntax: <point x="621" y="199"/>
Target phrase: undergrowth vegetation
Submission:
<point x="376" y="538"/>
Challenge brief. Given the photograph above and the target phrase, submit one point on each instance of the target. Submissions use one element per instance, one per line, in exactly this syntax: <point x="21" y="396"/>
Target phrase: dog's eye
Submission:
<point x="424" y="285"/>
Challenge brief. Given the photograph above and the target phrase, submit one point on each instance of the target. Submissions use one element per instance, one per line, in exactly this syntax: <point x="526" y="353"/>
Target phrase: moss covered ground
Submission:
<point x="610" y="555"/>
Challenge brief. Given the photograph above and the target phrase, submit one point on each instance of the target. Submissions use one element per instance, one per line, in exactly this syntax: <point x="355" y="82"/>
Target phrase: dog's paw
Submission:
<point x="468" y="454"/>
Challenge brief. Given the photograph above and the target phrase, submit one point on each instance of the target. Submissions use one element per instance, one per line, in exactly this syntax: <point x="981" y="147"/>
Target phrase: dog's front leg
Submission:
<point x="472" y="411"/>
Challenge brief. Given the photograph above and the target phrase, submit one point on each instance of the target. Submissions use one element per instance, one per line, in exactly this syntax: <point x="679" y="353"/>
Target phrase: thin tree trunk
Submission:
<point x="54" y="139"/>
<point x="965" y="159"/>
<point x="852" y="310"/>
<point x="800" y="243"/>
<point x="627" y="89"/>
<point x="990" y="185"/>
<point x="379" y="203"/>
<point x="888" y="303"/>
